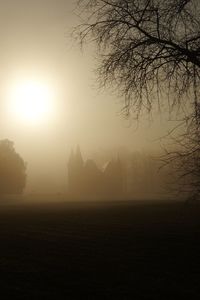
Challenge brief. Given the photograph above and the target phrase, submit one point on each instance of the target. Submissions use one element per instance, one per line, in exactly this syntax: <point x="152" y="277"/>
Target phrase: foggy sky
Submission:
<point x="35" y="42"/>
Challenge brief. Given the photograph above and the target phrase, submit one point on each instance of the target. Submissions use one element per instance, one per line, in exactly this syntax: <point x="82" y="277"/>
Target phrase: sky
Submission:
<point x="36" y="44"/>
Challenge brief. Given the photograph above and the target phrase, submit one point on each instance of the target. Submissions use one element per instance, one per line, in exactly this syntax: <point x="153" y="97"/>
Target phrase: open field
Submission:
<point x="115" y="250"/>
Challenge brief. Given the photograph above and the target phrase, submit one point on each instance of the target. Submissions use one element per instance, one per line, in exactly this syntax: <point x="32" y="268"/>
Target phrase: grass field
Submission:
<point x="114" y="250"/>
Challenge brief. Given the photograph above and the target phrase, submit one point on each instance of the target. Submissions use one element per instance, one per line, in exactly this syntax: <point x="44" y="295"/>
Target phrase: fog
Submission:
<point x="35" y="43"/>
<point x="95" y="205"/>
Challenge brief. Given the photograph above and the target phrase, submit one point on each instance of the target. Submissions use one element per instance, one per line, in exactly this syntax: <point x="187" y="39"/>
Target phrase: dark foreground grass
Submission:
<point x="122" y="250"/>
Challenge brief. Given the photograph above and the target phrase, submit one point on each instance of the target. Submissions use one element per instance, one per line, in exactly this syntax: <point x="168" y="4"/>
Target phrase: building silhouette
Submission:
<point x="85" y="179"/>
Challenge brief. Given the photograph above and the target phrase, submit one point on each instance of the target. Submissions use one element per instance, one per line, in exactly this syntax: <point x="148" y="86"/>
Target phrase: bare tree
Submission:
<point x="146" y="47"/>
<point x="183" y="157"/>
<point x="151" y="48"/>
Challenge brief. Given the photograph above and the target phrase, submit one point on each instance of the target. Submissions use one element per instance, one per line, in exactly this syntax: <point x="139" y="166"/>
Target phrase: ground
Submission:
<point x="110" y="250"/>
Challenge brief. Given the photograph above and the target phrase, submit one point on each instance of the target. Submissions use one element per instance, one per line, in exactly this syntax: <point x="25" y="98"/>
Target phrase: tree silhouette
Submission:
<point x="12" y="169"/>
<point x="151" y="48"/>
<point x="183" y="157"/>
<point x="146" y="47"/>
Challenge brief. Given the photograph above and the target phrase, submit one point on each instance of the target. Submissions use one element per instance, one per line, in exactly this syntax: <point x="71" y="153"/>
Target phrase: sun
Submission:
<point x="31" y="101"/>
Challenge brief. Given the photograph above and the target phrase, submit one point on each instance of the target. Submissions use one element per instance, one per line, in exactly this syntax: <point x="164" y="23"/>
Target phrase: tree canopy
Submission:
<point x="12" y="169"/>
<point x="146" y="47"/>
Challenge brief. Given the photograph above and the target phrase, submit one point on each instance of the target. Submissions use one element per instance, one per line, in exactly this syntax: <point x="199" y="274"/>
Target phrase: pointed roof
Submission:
<point x="106" y="165"/>
<point x="112" y="167"/>
<point x="91" y="166"/>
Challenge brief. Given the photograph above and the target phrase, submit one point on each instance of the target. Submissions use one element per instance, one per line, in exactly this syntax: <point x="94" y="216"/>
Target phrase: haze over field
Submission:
<point x="99" y="149"/>
<point x="38" y="58"/>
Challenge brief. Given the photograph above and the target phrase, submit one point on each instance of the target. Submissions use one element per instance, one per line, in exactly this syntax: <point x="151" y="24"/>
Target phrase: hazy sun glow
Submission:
<point x="31" y="101"/>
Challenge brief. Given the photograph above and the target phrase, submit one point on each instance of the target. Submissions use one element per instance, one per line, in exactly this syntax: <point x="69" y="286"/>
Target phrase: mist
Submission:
<point x="37" y="44"/>
<point x="99" y="149"/>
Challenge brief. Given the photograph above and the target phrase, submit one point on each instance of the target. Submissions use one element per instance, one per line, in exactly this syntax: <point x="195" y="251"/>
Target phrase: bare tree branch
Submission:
<point x="143" y="45"/>
<point x="147" y="49"/>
